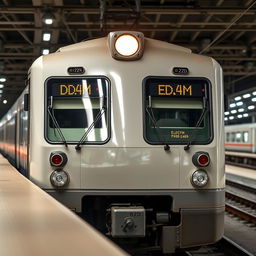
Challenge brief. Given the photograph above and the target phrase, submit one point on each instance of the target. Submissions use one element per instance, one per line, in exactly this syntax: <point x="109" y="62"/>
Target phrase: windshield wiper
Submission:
<point x="153" y="120"/>
<point x="55" y="122"/>
<point x="93" y="124"/>
<point x="199" y="121"/>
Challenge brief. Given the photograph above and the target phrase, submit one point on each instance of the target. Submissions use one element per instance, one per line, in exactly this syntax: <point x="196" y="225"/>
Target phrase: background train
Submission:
<point x="128" y="132"/>
<point x="241" y="138"/>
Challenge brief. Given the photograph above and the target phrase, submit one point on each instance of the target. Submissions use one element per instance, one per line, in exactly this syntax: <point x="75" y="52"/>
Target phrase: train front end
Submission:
<point x="129" y="134"/>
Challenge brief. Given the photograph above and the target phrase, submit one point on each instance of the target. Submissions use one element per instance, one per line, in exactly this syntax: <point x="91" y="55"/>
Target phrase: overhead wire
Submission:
<point x="228" y="27"/>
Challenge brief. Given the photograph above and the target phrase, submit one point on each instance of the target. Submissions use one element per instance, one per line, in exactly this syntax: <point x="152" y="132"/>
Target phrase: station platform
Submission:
<point x="33" y="223"/>
<point x="244" y="176"/>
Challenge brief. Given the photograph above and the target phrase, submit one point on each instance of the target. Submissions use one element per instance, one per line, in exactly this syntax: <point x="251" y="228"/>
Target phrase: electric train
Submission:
<point x="128" y="132"/>
<point x="241" y="138"/>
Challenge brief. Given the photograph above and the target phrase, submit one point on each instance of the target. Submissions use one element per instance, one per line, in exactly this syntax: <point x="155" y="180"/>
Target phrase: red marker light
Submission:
<point x="56" y="160"/>
<point x="203" y="160"/>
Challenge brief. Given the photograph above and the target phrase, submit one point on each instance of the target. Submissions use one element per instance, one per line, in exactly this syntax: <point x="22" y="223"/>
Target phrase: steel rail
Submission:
<point x="225" y="246"/>
<point x="241" y="186"/>
<point x="238" y="211"/>
<point x="241" y="199"/>
<point x="234" y="247"/>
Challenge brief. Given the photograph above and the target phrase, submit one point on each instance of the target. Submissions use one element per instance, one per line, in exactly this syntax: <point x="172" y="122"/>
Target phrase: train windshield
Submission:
<point x="177" y="111"/>
<point x="75" y="106"/>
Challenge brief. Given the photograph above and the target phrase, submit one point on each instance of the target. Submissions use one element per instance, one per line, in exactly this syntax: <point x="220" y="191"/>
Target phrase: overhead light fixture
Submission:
<point x="231" y="118"/>
<point x="253" y="99"/>
<point x="232" y="105"/>
<point x="233" y="111"/>
<point x="251" y="107"/>
<point x="247" y="95"/>
<point x="254" y="93"/>
<point x="5" y="101"/>
<point x="1" y="86"/>
<point x="2" y="79"/>
<point x="48" y="18"/>
<point x="240" y="110"/>
<point x="245" y="115"/>
<point x="45" y="51"/>
<point x="240" y="116"/>
<point x="239" y="103"/>
<point x="238" y="98"/>
<point x="226" y="119"/>
<point x="46" y="36"/>
<point x="226" y="113"/>
<point x="1" y="91"/>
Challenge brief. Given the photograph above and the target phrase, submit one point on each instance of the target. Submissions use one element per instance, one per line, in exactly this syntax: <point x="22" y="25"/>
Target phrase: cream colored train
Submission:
<point x="128" y="132"/>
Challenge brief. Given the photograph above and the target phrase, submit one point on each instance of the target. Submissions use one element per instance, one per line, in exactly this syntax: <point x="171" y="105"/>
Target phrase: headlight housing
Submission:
<point x="199" y="178"/>
<point x="59" y="178"/>
<point x="126" y="45"/>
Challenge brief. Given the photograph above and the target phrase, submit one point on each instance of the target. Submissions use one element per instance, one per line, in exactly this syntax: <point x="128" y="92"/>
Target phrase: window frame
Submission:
<point x="210" y="111"/>
<point x="108" y="111"/>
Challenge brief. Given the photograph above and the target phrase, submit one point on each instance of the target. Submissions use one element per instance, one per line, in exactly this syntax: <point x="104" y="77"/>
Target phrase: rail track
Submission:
<point x="242" y="207"/>
<point x="225" y="247"/>
<point x="240" y="186"/>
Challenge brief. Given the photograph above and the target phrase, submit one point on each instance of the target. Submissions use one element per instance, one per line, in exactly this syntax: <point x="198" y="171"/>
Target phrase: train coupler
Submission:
<point x="128" y="221"/>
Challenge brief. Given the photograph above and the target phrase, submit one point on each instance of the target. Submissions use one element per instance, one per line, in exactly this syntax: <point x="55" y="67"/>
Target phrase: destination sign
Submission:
<point x="175" y="88"/>
<point x="77" y="87"/>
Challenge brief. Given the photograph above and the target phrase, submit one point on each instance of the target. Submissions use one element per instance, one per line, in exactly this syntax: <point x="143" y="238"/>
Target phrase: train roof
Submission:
<point x="97" y="42"/>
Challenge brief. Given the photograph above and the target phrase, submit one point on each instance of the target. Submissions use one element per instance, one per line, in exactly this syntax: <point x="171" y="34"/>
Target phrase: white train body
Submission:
<point x="126" y="169"/>
<point x="240" y="138"/>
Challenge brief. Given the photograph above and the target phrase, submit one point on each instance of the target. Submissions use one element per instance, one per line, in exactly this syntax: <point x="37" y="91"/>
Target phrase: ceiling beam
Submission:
<point x="153" y="10"/>
<point x="141" y="29"/>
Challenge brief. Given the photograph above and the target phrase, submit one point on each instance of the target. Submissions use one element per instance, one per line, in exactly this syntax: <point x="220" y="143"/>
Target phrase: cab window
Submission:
<point x="177" y="111"/>
<point x="75" y="106"/>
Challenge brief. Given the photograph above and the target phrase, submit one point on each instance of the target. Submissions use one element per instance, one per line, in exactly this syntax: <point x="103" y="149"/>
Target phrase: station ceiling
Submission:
<point x="225" y="30"/>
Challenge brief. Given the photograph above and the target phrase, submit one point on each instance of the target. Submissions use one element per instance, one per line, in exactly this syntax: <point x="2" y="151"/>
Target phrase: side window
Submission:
<point x="245" y="137"/>
<point x="227" y="136"/>
<point x="238" y="136"/>
<point x="233" y="136"/>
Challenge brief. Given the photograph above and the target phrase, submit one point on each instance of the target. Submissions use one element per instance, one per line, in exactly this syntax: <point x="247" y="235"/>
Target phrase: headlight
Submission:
<point x="199" y="178"/>
<point x="59" y="178"/>
<point x="126" y="45"/>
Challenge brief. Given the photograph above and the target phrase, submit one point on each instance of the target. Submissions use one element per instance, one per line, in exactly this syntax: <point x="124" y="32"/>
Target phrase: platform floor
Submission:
<point x="33" y="223"/>
<point x="241" y="175"/>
